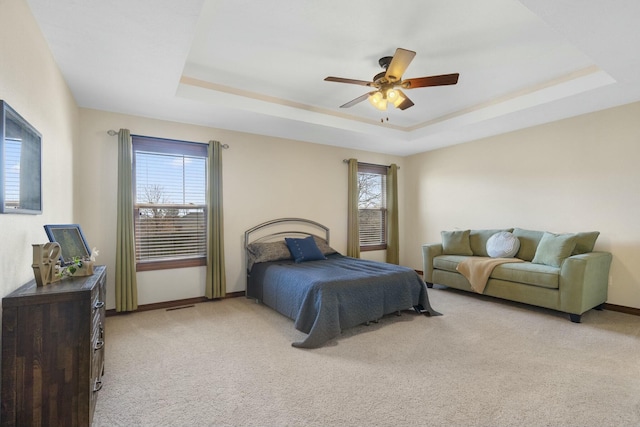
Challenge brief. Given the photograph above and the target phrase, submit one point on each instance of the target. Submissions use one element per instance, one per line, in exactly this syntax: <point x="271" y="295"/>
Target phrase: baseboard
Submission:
<point x="174" y="304"/>
<point x="622" y="309"/>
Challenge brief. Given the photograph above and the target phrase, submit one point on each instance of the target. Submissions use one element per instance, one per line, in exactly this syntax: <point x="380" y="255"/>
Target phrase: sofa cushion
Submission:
<point x="585" y="242"/>
<point x="503" y="245"/>
<point x="529" y="240"/>
<point x="478" y="240"/>
<point x="554" y="248"/>
<point x="456" y="242"/>
<point x="528" y="273"/>
<point x="524" y="272"/>
<point x="448" y="262"/>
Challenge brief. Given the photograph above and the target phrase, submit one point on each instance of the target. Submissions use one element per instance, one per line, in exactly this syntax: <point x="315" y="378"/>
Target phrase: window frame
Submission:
<point x="381" y="170"/>
<point x="170" y="147"/>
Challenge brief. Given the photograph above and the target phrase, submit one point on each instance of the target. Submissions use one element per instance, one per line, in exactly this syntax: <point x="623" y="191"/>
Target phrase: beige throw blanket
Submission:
<point x="478" y="269"/>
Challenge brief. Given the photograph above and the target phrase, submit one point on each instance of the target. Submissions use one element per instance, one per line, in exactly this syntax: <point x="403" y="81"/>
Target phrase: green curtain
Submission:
<point x="353" y="221"/>
<point x="393" y="239"/>
<point x="126" y="285"/>
<point x="216" y="285"/>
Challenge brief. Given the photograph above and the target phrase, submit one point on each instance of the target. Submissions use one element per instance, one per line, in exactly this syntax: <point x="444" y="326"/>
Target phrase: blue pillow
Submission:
<point x="304" y="249"/>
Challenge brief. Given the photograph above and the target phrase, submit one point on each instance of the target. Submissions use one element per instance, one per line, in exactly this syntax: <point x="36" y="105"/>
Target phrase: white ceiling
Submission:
<point x="258" y="66"/>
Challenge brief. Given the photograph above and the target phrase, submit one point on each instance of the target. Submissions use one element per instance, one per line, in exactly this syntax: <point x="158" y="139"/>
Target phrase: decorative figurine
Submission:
<point x="45" y="258"/>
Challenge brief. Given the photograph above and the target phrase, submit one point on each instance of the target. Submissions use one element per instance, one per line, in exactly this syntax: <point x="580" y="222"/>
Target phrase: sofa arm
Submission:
<point x="429" y="252"/>
<point x="584" y="281"/>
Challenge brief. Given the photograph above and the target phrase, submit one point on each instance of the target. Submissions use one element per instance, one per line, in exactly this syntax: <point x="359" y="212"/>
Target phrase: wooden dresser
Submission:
<point x="53" y="352"/>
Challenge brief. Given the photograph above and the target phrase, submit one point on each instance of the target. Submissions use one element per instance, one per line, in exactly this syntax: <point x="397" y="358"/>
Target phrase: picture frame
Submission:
<point x="20" y="164"/>
<point x="71" y="240"/>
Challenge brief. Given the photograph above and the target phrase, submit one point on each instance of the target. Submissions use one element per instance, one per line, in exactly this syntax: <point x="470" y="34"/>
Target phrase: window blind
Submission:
<point x="372" y="205"/>
<point x="170" y="199"/>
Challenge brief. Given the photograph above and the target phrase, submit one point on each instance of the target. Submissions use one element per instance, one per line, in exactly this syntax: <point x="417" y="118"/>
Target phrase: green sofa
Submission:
<point x="560" y="272"/>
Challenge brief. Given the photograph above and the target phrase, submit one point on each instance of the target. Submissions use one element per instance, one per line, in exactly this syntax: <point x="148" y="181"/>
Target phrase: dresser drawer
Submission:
<point x="97" y="302"/>
<point x="97" y="323"/>
<point x="98" y="316"/>
<point x="95" y="385"/>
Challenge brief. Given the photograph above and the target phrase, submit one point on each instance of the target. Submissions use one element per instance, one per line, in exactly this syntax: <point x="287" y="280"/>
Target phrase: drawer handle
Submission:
<point x="97" y="386"/>
<point x="99" y="304"/>
<point x="99" y="345"/>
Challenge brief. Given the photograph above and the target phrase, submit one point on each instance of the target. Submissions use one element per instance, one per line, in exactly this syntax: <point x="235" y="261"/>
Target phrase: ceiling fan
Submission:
<point x="389" y="82"/>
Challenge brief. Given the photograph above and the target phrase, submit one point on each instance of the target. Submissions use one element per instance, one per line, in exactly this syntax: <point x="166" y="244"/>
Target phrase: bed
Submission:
<point x="326" y="292"/>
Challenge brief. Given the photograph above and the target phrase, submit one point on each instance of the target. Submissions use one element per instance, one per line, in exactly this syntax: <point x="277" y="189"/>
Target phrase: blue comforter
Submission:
<point x="327" y="296"/>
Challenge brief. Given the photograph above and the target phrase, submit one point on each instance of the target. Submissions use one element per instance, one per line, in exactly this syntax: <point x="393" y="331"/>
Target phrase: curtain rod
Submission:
<point x="361" y="163"/>
<point x="114" y="133"/>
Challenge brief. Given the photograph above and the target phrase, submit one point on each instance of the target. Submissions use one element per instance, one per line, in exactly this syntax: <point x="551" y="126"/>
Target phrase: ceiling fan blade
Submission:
<point x="406" y="103"/>
<point x="355" y="101"/>
<point x="401" y="60"/>
<point x="343" y="80"/>
<point x="441" y="80"/>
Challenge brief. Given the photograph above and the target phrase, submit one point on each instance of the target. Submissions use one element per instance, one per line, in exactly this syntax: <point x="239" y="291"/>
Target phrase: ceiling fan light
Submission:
<point x="392" y="94"/>
<point x="378" y="101"/>
<point x="398" y="100"/>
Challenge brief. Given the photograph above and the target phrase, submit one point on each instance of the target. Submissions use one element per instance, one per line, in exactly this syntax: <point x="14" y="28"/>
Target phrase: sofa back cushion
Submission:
<point x="585" y="242"/>
<point x="554" y="248"/>
<point x="456" y="242"/>
<point x="529" y="240"/>
<point x="478" y="240"/>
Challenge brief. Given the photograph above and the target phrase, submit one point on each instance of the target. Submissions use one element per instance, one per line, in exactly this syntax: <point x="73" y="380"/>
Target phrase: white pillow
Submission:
<point x="503" y="245"/>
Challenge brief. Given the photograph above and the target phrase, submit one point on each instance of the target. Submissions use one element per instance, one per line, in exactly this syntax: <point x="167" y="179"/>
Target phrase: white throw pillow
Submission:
<point x="503" y="245"/>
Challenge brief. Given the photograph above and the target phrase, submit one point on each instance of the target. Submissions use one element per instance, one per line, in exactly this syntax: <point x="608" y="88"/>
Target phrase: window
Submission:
<point x="372" y="206"/>
<point x="170" y="211"/>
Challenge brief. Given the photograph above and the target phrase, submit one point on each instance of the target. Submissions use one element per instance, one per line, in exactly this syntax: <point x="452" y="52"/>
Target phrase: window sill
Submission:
<point x="170" y="264"/>
<point x="373" y="248"/>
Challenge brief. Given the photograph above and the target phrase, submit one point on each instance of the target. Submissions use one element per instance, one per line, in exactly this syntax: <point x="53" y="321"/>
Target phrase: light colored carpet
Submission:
<point x="485" y="362"/>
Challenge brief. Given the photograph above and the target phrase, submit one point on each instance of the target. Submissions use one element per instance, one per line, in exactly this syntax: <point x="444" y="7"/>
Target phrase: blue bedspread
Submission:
<point x="325" y="297"/>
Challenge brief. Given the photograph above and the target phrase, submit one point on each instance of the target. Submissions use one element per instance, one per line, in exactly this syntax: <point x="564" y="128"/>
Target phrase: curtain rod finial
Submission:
<point x="112" y="132"/>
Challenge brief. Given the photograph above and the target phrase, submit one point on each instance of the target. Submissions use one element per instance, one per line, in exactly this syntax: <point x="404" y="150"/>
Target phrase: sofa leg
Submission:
<point x="575" y="318"/>
<point x="600" y="307"/>
<point x="429" y="285"/>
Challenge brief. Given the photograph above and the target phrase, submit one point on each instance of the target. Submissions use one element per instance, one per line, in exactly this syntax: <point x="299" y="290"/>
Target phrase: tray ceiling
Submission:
<point x="258" y="67"/>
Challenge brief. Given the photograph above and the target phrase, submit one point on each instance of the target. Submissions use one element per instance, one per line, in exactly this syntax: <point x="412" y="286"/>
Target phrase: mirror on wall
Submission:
<point x="20" y="164"/>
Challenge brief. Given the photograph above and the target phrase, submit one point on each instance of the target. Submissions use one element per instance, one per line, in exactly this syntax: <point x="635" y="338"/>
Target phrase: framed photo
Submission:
<point x="71" y="240"/>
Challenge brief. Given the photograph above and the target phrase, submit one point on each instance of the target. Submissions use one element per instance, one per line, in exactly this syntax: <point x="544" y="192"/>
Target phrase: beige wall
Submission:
<point x="574" y="175"/>
<point x="579" y="174"/>
<point x="264" y="178"/>
<point x="31" y="83"/>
